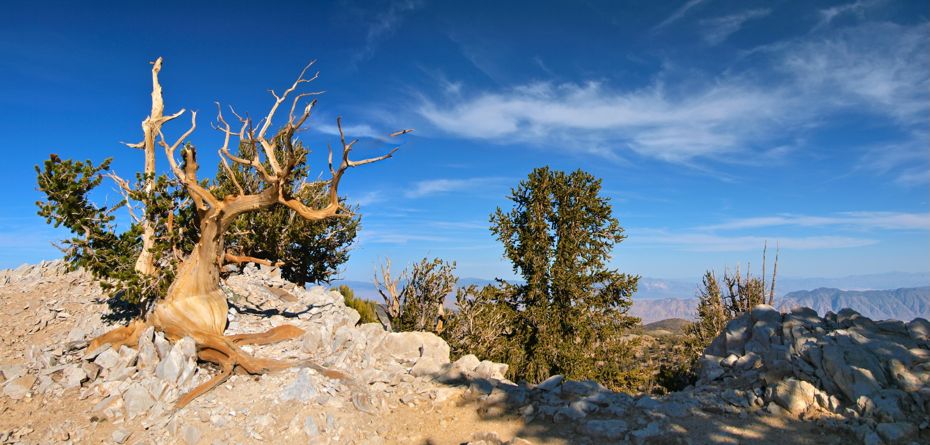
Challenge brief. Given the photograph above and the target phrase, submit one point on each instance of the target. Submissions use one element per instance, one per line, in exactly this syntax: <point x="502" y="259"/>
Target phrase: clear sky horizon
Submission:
<point x="715" y="125"/>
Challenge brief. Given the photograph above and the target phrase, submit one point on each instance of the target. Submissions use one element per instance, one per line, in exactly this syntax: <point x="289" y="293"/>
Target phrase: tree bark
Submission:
<point x="194" y="302"/>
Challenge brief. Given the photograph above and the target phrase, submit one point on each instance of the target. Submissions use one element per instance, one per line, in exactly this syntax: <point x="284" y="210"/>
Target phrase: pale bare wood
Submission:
<point x="151" y="126"/>
<point x="195" y="305"/>
<point x="268" y="146"/>
<point x="387" y="287"/>
<point x="230" y="257"/>
<point x="125" y="190"/>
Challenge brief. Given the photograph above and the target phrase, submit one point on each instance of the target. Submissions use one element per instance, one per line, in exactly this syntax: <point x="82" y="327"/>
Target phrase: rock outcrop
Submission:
<point x="876" y="373"/>
<point x="842" y="375"/>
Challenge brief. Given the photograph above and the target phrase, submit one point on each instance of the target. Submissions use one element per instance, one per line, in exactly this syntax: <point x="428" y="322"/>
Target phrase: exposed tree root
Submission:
<point x="124" y="335"/>
<point x="224" y="351"/>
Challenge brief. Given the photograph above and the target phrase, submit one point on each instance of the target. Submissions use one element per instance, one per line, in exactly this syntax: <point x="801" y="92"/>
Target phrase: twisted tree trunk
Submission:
<point x="195" y="305"/>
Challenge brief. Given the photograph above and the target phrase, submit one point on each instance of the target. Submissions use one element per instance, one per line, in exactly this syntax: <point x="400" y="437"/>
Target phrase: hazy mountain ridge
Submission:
<point x="901" y="304"/>
<point x="680" y="288"/>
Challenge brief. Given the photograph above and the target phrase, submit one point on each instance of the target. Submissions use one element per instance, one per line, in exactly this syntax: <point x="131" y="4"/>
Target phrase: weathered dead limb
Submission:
<point x="194" y="305"/>
<point x="230" y="257"/>
<point x="151" y="126"/>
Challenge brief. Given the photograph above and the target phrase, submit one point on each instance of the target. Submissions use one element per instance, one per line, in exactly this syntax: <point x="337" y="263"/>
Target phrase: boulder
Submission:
<point x="919" y="329"/>
<point x="467" y="363"/>
<point x="765" y="314"/>
<point x="551" y="384"/>
<point x="794" y="395"/>
<point x="710" y="367"/>
<point x="737" y="333"/>
<point x="491" y="370"/>
<point x="896" y="432"/>
<point x="408" y="347"/>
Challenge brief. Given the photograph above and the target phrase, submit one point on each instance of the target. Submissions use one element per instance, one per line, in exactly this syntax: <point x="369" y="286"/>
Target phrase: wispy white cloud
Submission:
<point x="718" y="29"/>
<point x="877" y="67"/>
<point x="704" y="242"/>
<point x="855" y="8"/>
<point x="351" y="131"/>
<point x="375" y="236"/>
<point x="369" y="198"/>
<point x="855" y="220"/>
<point x="592" y="117"/>
<point x="878" y="70"/>
<point x="384" y="24"/>
<point x="678" y="14"/>
<point x="908" y="161"/>
<point x="438" y="186"/>
<point x="461" y="225"/>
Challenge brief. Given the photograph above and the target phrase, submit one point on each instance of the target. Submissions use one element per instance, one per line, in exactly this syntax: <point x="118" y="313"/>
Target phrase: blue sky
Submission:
<point x="715" y="125"/>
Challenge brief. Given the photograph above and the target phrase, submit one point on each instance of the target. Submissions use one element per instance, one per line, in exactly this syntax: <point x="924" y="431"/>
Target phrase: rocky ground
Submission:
<point x="771" y="378"/>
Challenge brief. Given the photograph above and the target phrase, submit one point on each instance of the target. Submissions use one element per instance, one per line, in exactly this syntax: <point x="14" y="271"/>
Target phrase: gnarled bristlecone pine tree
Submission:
<point x="193" y="304"/>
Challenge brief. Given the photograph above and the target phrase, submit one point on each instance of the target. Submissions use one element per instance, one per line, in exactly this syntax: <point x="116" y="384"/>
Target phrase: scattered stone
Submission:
<point x="18" y="388"/>
<point x="485" y="438"/>
<point x="11" y="372"/>
<point x="642" y="435"/>
<point x="301" y="389"/>
<point x="107" y="359"/>
<point x="137" y="400"/>
<point x="612" y="429"/>
<point x="190" y="435"/>
<point x="120" y="435"/>
<point x="73" y="376"/>
<point x="310" y="428"/>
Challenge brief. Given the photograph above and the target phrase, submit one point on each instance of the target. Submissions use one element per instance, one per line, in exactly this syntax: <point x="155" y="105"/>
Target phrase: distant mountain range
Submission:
<point x="660" y="299"/>
<point x="900" y="304"/>
<point x="663" y="288"/>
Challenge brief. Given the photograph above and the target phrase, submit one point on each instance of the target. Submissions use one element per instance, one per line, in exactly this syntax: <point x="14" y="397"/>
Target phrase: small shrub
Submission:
<point x="419" y="305"/>
<point x="365" y="308"/>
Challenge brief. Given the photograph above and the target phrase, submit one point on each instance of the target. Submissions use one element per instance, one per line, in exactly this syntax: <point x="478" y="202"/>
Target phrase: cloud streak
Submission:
<point x="440" y="186"/>
<point x="876" y="70"/>
<point x="678" y="14"/>
<point x="719" y="29"/>
<point x="855" y="220"/>
<point x="384" y="25"/>
<point x="703" y="242"/>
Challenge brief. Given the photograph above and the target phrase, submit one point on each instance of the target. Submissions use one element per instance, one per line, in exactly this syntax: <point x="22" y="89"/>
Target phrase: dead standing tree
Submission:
<point x="194" y="305"/>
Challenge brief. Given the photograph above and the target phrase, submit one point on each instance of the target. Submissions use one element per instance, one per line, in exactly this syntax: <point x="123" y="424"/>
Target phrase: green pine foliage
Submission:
<point x="309" y="251"/>
<point x="570" y="316"/>
<point x="717" y="306"/>
<point x="420" y="304"/>
<point x="365" y="308"/>
<point x="97" y="246"/>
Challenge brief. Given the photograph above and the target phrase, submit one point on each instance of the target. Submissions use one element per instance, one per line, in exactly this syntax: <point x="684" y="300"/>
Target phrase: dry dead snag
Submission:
<point x="194" y="305"/>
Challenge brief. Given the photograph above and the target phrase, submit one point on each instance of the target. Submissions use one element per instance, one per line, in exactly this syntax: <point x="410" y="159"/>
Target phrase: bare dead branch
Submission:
<point x="267" y="145"/>
<point x="774" y="273"/>
<point x="230" y="257"/>
<point x="401" y="132"/>
<point x="125" y="190"/>
<point x="170" y="149"/>
<point x="230" y="172"/>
